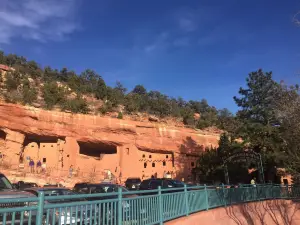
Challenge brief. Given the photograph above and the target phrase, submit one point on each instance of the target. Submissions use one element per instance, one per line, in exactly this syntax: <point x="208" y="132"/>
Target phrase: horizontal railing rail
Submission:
<point x="135" y="207"/>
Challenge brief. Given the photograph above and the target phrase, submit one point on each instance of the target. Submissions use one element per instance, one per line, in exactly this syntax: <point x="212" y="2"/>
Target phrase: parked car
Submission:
<point x="154" y="183"/>
<point x="80" y="187"/>
<point x="133" y="183"/>
<point x="129" y="212"/>
<point x="21" y="185"/>
<point x="7" y="191"/>
<point x="62" y="215"/>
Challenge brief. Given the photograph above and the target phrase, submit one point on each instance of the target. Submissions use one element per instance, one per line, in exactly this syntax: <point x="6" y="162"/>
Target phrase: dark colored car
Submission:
<point x="21" y="185"/>
<point x="129" y="212"/>
<point x="7" y="191"/>
<point x="63" y="215"/>
<point x="133" y="183"/>
<point x="152" y="184"/>
<point x="80" y="187"/>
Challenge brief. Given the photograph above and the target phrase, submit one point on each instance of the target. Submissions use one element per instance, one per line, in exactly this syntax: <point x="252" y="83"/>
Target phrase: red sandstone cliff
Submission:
<point x="21" y="120"/>
<point x="26" y="129"/>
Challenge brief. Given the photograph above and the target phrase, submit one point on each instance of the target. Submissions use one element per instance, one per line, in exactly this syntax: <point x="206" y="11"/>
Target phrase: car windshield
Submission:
<point x="4" y="183"/>
<point x="177" y="182"/>
<point x="134" y="180"/>
<point x="60" y="192"/>
<point x="108" y="189"/>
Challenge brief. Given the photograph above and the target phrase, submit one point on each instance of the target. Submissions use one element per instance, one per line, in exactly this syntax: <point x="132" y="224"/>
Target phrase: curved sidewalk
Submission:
<point x="269" y="212"/>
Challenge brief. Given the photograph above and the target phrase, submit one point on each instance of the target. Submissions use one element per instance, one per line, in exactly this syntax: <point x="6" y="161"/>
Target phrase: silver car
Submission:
<point x="8" y="193"/>
<point x="63" y="215"/>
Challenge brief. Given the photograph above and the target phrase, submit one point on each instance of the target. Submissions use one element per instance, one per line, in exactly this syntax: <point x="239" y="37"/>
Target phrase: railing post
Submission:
<point x="120" y="206"/>
<point x="206" y="197"/>
<point x="186" y="201"/>
<point x="225" y="201"/>
<point x="40" y="209"/>
<point x="160" y="205"/>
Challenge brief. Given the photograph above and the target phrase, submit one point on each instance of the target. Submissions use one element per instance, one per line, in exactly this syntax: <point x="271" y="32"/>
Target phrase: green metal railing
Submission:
<point x="138" y="207"/>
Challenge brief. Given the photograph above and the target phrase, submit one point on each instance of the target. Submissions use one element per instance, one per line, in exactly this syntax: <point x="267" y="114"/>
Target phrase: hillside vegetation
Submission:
<point x="30" y="84"/>
<point x="268" y="124"/>
<point x="267" y="121"/>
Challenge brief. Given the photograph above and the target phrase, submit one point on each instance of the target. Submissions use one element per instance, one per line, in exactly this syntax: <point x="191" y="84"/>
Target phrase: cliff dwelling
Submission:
<point x="96" y="150"/>
<point x="59" y="153"/>
<point x="47" y="149"/>
<point x="94" y="144"/>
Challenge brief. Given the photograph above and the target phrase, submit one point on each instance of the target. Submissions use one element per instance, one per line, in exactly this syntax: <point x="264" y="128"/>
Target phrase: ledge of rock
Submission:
<point x="20" y="120"/>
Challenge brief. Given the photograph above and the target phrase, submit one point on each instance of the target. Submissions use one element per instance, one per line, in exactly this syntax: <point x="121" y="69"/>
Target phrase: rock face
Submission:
<point x="84" y="135"/>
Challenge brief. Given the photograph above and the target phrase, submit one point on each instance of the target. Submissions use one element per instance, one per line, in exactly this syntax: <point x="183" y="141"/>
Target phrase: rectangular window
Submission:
<point x="44" y="160"/>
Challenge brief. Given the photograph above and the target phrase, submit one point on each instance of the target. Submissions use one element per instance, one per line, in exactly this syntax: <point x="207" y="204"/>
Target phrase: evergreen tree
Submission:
<point x="139" y="89"/>
<point x="258" y="115"/>
<point x="29" y="92"/>
<point x="77" y="105"/>
<point x="53" y="95"/>
<point x="288" y="114"/>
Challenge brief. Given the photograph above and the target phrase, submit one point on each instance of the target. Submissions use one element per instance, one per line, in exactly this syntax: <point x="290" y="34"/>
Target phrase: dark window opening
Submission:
<point x="32" y="146"/>
<point x="29" y="138"/>
<point x="164" y="163"/>
<point x="44" y="160"/>
<point x="95" y="150"/>
<point x="167" y="156"/>
<point x="143" y="156"/>
<point x="51" y="146"/>
<point x="153" y="164"/>
<point x="145" y="165"/>
<point x="2" y="135"/>
<point x="192" y="164"/>
<point x="68" y="156"/>
<point x="150" y="156"/>
<point x="44" y="146"/>
<point x="127" y="149"/>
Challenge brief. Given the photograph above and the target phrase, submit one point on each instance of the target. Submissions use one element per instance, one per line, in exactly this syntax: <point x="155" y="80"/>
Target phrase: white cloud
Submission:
<point x="159" y="42"/>
<point x="187" y="25"/>
<point x="41" y="20"/>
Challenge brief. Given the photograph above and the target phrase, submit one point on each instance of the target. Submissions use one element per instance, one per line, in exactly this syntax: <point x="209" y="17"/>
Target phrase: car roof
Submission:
<point x="152" y="179"/>
<point x="161" y="179"/>
<point x="45" y="189"/>
<point x="81" y="183"/>
<point x="105" y="184"/>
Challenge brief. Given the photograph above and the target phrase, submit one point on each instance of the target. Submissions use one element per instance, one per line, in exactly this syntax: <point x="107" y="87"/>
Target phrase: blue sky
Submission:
<point x="193" y="49"/>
